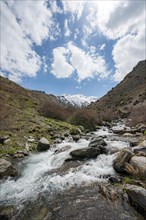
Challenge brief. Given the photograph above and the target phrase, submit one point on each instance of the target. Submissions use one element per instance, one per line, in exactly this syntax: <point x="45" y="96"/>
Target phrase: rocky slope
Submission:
<point x="127" y="95"/>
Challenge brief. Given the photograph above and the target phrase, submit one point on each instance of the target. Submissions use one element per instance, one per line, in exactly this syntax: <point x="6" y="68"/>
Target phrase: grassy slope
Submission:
<point x="20" y="116"/>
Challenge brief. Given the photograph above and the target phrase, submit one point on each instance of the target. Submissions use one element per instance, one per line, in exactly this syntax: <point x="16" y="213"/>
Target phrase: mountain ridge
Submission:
<point x="128" y="94"/>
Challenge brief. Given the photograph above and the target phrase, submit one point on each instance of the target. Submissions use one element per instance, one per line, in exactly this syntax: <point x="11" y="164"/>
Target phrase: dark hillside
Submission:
<point x="127" y="95"/>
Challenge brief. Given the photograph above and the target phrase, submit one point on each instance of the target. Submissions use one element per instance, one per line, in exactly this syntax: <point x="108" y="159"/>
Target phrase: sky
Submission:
<point x="71" y="47"/>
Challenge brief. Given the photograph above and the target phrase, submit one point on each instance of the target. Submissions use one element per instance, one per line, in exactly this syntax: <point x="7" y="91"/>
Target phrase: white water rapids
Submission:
<point x="36" y="179"/>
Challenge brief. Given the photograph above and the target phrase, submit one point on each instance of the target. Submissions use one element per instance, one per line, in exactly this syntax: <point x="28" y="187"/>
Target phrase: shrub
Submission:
<point x="86" y="118"/>
<point x="56" y="111"/>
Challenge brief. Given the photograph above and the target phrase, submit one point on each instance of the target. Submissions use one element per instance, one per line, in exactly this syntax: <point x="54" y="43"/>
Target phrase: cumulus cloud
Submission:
<point x="74" y="7"/>
<point x="60" y="66"/>
<point x="70" y="58"/>
<point x="67" y="30"/>
<point x="23" y="23"/>
<point x="127" y="52"/>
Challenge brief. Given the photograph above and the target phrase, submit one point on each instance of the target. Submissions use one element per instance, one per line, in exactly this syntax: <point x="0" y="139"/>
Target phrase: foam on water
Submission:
<point x="36" y="179"/>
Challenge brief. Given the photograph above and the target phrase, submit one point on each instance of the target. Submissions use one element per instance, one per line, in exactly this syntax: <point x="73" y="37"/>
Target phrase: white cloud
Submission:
<point x="127" y="52"/>
<point x="123" y="21"/>
<point x="102" y="47"/>
<point x="54" y="7"/>
<point x="74" y="7"/>
<point x="67" y="31"/>
<point x="60" y="66"/>
<point x="70" y="58"/>
<point x="22" y="24"/>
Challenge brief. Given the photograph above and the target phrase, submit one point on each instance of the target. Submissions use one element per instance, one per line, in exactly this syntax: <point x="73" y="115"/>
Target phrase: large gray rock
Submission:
<point x="122" y="158"/>
<point x="7" y="169"/>
<point x="43" y="144"/>
<point x="139" y="163"/>
<point x="97" y="142"/>
<point x="137" y="195"/>
<point x="85" y="153"/>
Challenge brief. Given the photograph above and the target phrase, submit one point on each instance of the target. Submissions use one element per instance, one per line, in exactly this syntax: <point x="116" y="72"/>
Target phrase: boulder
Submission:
<point x="95" y="142"/>
<point x="76" y="137"/>
<point x="127" y="134"/>
<point x="122" y="158"/>
<point x="7" y="169"/>
<point x="141" y="127"/>
<point x="43" y="144"/>
<point x="139" y="163"/>
<point x="137" y="195"/>
<point x="140" y="150"/>
<point x="85" y="153"/>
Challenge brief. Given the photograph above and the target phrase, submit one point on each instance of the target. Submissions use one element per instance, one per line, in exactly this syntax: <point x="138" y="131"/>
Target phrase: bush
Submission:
<point x="86" y="118"/>
<point x="56" y="111"/>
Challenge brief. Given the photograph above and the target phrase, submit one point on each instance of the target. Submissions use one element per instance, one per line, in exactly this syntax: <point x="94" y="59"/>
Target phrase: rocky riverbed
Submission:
<point x="78" y="180"/>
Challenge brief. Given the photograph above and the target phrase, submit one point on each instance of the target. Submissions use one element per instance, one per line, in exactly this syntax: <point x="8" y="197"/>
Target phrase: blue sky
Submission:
<point x="71" y="47"/>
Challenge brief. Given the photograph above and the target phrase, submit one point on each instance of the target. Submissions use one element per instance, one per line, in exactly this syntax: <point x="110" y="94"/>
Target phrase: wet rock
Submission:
<point x="97" y="142"/>
<point x="122" y="158"/>
<point x="75" y="131"/>
<point x="19" y="155"/>
<point x="139" y="163"/>
<point x="133" y="143"/>
<point x="85" y="153"/>
<point x="24" y="152"/>
<point x="6" y="213"/>
<point x="76" y="137"/>
<point x="86" y="202"/>
<point x="7" y="169"/>
<point x="113" y="179"/>
<point x="65" y="148"/>
<point x="141" y="127"/>
<point x="143" y="144"/>
<point x="43" y="144"/>
<point x="127" y="134"/>
<point x="137" y="195"/>
<point x="140" y="150"/>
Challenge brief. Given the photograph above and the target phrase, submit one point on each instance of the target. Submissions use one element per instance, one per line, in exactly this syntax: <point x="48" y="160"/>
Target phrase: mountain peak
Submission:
<point x="77" y="100"/>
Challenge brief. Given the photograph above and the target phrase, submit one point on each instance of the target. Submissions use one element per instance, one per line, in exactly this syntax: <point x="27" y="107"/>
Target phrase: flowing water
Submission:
<point x="37" y="176"/>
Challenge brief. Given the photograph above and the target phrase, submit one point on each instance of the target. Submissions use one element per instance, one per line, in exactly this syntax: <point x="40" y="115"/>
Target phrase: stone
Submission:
<point x="139" y="162"/>
<point x="43" y="144"/>
<point x="137" y="195"/>
<point x="19" y="155"/>
<point x="6" y="213"/>
<point x="122" y="158"/>
<point x="143" y="144"/>
<point x="85" y="153"/>
<point x="140" y="150"/>
<point x="65" y="148"/>
<point x="4" y="139"/>
<point x="7" y="169"/>
<point x="31" y="140"/>
<point x="76" y="137"/>
<point x="97" y="142"/>
<point x="141" y="127"/>
<point x="113" y="179"/>
<point x="127" y="135"/>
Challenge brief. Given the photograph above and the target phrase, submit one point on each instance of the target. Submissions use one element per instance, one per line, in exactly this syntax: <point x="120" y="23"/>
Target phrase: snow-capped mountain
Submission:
<point x="77" y="100"/>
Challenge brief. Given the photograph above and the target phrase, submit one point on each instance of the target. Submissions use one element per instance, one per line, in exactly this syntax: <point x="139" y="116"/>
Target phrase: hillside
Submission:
<point x="25" y="113"/>
<point x="126" y="96"/>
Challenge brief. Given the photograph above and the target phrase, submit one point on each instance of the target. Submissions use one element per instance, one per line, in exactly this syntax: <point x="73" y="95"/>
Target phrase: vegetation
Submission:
<point x="138" y="114"/>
